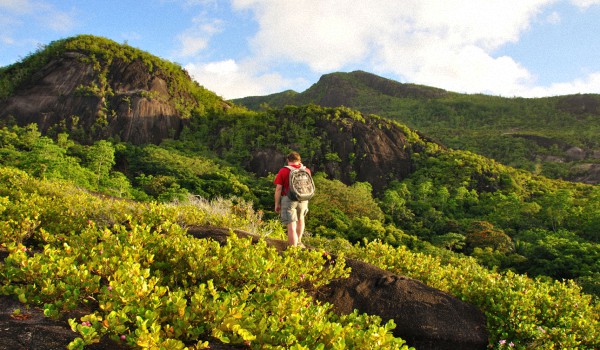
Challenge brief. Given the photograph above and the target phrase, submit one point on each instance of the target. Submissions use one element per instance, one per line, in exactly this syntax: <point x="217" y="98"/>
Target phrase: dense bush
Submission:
<point x="154" y="284"/>
<point x="527" y="313"/>
<point x="151" y="285"/>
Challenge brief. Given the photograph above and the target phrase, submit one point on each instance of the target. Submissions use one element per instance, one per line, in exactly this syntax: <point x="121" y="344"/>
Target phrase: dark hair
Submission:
<point x="293" y="157"/>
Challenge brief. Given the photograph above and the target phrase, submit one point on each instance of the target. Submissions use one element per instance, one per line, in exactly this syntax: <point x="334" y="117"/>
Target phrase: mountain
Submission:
<point x="91" y="220"/>
<point x="554" y="136"/>
<point x="95" y="88"/>
<point x="361" y="90"/>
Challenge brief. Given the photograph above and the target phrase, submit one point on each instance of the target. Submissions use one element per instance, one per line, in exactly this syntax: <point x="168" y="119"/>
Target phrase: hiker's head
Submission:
<point x="294" y="157"/>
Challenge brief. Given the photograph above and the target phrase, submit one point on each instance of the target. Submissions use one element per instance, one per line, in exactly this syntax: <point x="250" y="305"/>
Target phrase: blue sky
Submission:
<point x="238" y="48"/>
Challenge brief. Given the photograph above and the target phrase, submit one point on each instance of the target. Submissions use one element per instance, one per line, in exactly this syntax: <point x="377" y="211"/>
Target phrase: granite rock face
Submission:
<point x="380" y="150"/>
<point x="425" y="317"/>
<point x="66" y="95"/>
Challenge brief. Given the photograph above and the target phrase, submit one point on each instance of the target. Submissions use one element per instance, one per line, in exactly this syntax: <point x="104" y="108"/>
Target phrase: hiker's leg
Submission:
<point x="301" y="212"/>
<point x="293" y="238"/>
<point x="299" y="230"/>
<point x="290" y="219"/>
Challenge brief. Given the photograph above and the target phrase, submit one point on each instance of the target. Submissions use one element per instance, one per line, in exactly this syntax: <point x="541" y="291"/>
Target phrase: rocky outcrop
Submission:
<point x="67" y="94"/>
<point x="425" y="317"/>
<point x="29" y="329"/>
<point x="265" y="161"/>
<point x="588" y="173"/>
<point x="575" y="154"/>
<point x="24" y="328"/>
<point x="372" y="150"/>
<point x="580" y="104"/>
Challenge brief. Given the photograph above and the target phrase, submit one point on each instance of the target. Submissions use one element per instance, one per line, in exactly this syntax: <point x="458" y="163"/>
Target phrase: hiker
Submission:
<point x="292" y="210"/>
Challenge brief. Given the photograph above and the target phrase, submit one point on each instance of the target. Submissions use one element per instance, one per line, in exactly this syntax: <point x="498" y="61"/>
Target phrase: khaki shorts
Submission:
<point x="292" y="211"/>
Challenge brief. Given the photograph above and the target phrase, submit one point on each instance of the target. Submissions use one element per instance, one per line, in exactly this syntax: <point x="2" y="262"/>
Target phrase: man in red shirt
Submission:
<point x="292" y="213"/>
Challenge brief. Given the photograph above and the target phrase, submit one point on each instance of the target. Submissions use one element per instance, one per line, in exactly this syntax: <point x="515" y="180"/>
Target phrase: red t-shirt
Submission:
<point x="283" y="178"/>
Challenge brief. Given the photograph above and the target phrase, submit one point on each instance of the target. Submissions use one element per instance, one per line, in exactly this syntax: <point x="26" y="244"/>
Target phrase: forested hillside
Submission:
<point x="523" y="248"/>
<point x="554" y="136"/>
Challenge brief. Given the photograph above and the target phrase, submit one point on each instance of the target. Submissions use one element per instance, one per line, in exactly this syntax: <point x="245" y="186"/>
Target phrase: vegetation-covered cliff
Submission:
<point x="94" y="88"/>
<point x="553" y="136"/>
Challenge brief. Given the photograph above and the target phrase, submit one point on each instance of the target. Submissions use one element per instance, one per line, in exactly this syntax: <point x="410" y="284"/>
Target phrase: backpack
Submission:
<point x="302" y="187"/>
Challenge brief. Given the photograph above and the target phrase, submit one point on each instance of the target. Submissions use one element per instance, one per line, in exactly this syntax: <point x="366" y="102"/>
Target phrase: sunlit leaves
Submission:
<point x="149" y="284"/>
<point x="530" y="313"/>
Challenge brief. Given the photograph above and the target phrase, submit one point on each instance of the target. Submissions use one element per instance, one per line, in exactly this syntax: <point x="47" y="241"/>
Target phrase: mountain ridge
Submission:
<point x="94" y="88"/>
<point x="484" y="124"/>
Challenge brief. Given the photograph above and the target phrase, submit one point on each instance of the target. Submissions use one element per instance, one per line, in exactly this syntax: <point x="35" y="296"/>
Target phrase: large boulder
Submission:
<point x="425" y="317"/>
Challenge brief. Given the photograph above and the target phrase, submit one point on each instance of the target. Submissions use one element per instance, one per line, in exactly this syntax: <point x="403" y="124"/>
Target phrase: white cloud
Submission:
<point x="232" y="80"/>
<point x="322" y="34"/>
<point x="449" y="44"/>
<point x="589" y="84"/>
<point x="197" y="38"/>
<point x="585" y="3"/>
<point x="470" y="70"/>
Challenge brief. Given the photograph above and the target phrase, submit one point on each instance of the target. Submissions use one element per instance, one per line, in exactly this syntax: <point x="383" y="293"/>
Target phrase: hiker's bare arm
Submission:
<point x="278" y="198"/>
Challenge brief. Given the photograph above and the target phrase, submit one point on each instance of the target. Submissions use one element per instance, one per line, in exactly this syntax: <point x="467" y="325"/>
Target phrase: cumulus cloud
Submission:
<point x="588" y="84"/>
<point x="197" y="37"/>
<point x="449" y="44"/>
<point x="232" y="80"/>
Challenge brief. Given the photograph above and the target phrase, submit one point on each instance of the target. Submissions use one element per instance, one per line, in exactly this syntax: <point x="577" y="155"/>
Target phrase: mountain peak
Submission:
<point x="347" y="89"/>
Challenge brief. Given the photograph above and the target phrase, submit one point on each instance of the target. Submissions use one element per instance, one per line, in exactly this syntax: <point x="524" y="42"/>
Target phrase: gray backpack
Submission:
<point x="302" y="187"/>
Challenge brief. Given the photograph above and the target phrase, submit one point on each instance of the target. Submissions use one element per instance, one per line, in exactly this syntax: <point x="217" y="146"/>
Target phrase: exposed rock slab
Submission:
<point x="29" y="329"/>
<point x="425" y="317"/>
<point x="137" y="111"/>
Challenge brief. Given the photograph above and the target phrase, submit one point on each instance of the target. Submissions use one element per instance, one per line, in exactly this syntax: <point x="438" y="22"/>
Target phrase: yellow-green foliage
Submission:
<point x="529" y="313"/>
<point x="157" y="287"/>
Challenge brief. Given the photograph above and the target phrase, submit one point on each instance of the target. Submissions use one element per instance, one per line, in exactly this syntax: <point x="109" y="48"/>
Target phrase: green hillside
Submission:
<point x="149" y="284"/>
<point x="104" y="226"/>
<point x="529" y="133"/>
